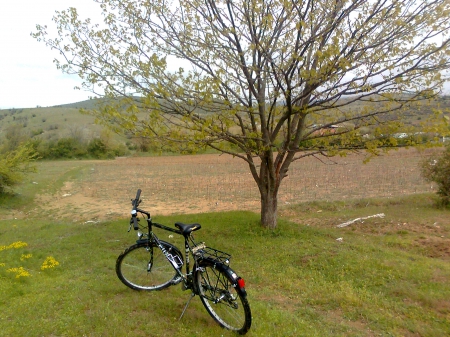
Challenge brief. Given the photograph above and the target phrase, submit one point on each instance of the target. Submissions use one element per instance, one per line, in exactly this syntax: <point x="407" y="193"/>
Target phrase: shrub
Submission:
<point x="37" y="132"/>
<point x="98" y="149"/>
<point x="437" y="170"/>
<point x="14" y="136"/>
<point x="63" y="148"/>
<point x="15" y="165"/>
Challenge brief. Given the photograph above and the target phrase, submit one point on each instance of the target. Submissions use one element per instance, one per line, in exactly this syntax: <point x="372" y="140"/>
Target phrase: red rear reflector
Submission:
<point x="241" y="283"/>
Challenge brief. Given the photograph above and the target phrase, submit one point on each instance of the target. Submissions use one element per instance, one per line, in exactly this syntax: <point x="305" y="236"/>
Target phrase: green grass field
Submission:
<point x="382" y="277"/>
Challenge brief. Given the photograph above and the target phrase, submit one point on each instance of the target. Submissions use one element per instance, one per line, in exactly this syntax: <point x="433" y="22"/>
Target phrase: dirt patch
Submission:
<point x="432" y="239"/>
<point x="337" y="317"/>
<point x="437" y="247"/>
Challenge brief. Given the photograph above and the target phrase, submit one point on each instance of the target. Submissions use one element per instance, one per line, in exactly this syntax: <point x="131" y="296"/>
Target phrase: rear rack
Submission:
<point x="204" y="252"/>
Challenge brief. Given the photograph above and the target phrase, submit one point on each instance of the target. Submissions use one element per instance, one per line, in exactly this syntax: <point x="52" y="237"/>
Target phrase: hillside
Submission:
<point x="51" y="123"/>
<point x="87" y="104"/>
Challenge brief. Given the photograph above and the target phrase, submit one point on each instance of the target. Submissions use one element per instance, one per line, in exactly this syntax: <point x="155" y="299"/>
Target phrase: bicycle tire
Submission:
<point x="135" y="271"/>
<point x="227" y="303"/>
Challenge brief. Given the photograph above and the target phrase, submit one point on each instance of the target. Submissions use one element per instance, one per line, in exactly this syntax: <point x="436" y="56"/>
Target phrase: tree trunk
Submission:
<point x="268" y="184"/>
<point x="271" y="173"/>
<point x="269" y="203"/>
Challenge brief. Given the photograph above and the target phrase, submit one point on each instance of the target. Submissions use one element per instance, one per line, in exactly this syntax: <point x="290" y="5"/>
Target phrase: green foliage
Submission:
<point x="75" y="148"/>
<point x="14" y="136"/>
<point x="437" y="169"/>
<point x="98" y="149"/>
<point x="65" y="148"/>
<point x="59" y="140"/>
<point x="14" y="166"/>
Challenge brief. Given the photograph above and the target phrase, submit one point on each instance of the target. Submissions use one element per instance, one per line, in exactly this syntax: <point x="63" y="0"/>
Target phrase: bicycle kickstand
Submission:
<point x="185" y="307"/>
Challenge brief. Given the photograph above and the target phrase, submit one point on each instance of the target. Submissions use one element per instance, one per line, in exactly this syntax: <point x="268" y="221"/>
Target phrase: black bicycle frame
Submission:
<point x="153" y="237"/>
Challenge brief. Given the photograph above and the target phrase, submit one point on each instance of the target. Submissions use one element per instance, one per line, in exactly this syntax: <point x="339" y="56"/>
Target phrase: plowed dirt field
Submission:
<point x="203" y="183"/>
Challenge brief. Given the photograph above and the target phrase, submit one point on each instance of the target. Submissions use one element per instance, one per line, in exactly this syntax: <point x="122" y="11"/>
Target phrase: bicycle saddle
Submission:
<point x="186" y="229"/>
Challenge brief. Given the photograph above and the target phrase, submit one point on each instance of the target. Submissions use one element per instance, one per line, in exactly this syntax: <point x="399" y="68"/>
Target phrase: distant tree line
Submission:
<point x="76" y="143"/>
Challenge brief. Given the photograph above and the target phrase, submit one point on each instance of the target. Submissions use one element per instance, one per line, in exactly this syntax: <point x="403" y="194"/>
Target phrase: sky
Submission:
<point x="28" y="77"/>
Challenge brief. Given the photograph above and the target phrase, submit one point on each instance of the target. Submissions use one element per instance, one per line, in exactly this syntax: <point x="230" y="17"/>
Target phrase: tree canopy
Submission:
<point x="267" y="81"/>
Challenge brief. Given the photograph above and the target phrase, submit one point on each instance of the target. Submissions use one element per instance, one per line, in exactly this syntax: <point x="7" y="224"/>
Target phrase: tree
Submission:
<point x="15" y="165"/>
<point x="267" y="81"/>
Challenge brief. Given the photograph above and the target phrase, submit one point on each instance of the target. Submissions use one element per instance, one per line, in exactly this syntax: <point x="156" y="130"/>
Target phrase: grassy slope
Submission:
<point x="301" y="281"/>
<point x="55" y="122"/>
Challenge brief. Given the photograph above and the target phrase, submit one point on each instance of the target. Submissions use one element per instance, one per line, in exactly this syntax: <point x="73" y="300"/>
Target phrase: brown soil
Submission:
<point x="203" y="183"/>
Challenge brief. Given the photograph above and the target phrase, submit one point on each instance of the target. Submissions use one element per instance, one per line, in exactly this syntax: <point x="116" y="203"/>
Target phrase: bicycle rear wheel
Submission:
<point x="143" y="266"/>
<point x="222" y="297"/>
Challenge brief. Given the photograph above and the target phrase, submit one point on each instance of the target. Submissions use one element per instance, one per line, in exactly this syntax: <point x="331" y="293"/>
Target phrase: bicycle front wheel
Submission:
<point x="143" y="266"/>
<point x="222" y="298"/>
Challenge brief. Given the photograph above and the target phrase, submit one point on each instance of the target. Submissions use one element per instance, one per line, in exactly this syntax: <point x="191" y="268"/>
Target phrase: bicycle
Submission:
<point x="154" y="264"/>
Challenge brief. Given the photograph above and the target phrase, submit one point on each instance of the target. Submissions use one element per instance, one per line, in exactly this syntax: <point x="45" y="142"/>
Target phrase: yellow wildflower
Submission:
<point x="49" y="262"/>
<point x="25" y="256"/>
<point x="16" y="245"/>
<point x="20" y="272"/>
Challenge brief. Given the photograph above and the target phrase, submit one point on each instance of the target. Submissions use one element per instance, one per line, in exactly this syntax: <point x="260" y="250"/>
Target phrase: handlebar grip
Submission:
<point x="136" y="200"/>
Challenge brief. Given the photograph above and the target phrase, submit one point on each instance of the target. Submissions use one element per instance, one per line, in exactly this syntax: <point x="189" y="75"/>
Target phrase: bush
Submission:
<point x="74" y="148"/>
<point x="15" y="165"/>
<point x="66" y="148"/>
<point x="14" y="136"/>
<point x="98" y="149"/>
<point x="437" y="170"/>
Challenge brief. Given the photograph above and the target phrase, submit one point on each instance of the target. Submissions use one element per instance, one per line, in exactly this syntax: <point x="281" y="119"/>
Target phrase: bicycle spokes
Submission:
<point x="150" y="263"/>
<point x="215" y="288"/>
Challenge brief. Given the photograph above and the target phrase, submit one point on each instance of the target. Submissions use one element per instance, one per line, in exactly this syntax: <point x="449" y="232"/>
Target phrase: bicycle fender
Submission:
<point x="235" y="278"/>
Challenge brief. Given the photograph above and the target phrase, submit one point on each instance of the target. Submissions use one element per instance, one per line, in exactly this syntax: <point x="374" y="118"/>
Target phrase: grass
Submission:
<point x="386" y="277"/>
<point x="55" y="122"/>
<point x="49" y="179"/>
<point x="382" y="279"/>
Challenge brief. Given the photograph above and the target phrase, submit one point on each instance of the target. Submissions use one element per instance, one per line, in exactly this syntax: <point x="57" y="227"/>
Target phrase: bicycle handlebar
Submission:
<point x="135" y="204"/>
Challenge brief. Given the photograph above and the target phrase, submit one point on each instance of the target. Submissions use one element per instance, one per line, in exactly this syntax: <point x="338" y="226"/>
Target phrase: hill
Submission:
<point x="87" y="104"/>
<point x="53" y="123"/>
